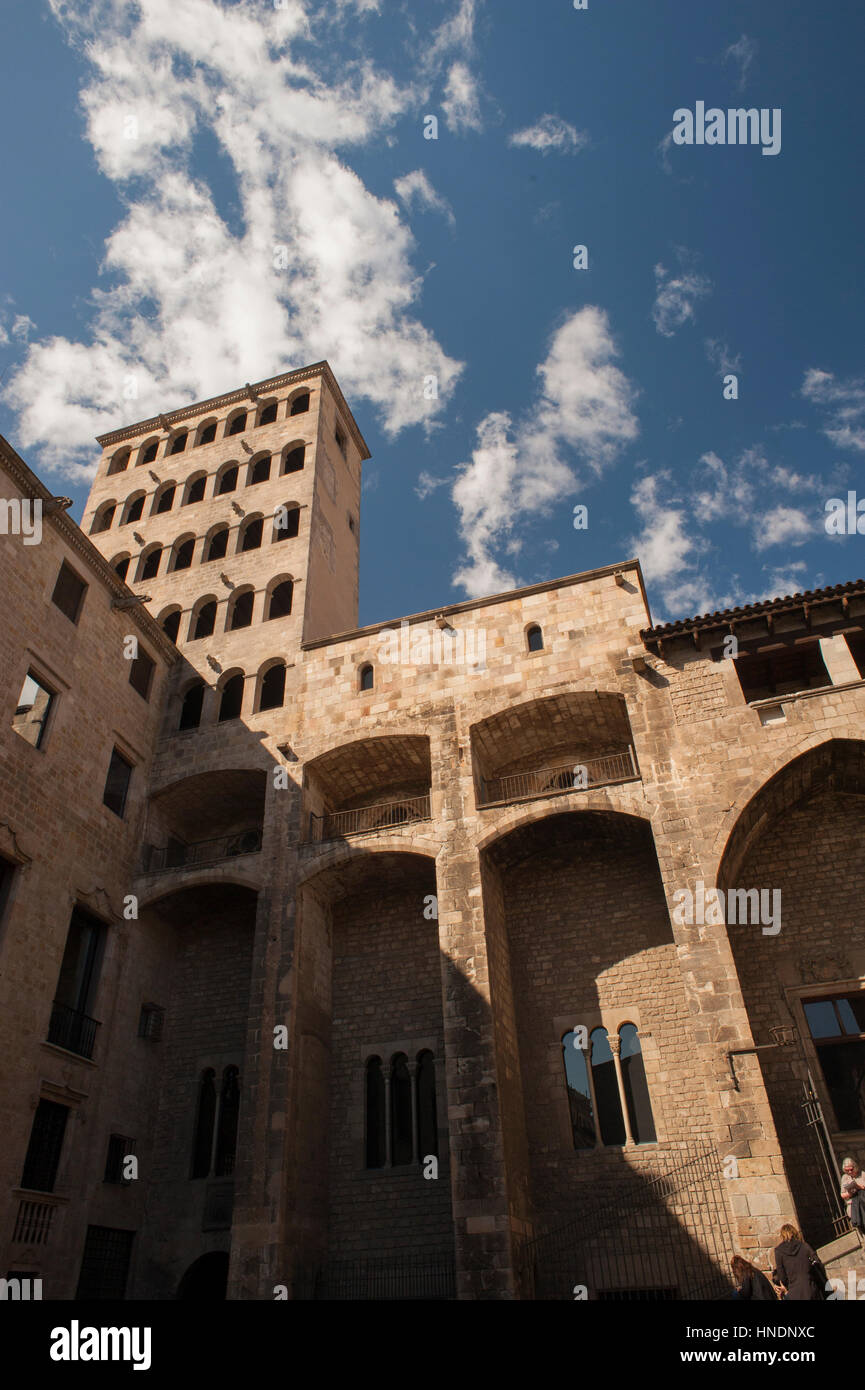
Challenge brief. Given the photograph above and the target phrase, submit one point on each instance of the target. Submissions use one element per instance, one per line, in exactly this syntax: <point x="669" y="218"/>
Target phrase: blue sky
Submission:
<point x="163" y="150"/>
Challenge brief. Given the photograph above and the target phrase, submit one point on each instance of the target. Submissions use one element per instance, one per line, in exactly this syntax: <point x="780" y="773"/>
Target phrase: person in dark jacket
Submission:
<point x="799" y="1269"/>
<point x="751" y="1283"/>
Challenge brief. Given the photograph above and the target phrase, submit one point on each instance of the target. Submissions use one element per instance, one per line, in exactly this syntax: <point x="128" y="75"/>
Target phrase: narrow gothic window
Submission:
<point x="579" y="1093"/>
<point x="400" y="1110"/>
<point x="366" y="678"/>
<point x="610" y="1119"/>
<point x="375" y="1118"/>
<point x="226" y="1133"/>
<point x="636" y="1088"/>
<point x="204" y="1121"/>
<point x="427" y="1121"/>
<point x="535" y="638"/>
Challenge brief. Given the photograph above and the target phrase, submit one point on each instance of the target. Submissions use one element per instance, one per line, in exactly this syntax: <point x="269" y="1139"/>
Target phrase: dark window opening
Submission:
<point x="166" y="500"/>
<point x="610" y="1119"/>
<point x="151" y="1021"/>
<point x="427" y="1120"/>
<point x="375" y="1116"/>
<point x="171" y="625"/>
<point x="105" y="1264"/>
<point x="195" y="491"/>
<point x="205" y="621"/>
<point x="636" y="1087"/>
<point x="339" y="436"/>
<point x="119" y="463"/>
<point x="31" y="713"/>
<point x="252" y="535"/>
<point x="268" y="414"/>
<point x="300" y="404"/>
<point x="117" y="783"/>
<point x="208" y="434"/>
<point x="273" y="688"/>
<point x="837" y="1026"/>
<point x="281" y="600"/>
<point x="294" y="460"/>
<point x="781" y="671"/>
<point x="400" y="1110"/>
<point x="150" y="564"/>
<point x="218" y="546"/>
<point x="241" y="612"/>
<point x="103" y="520"/>
<point x="856" y="645"/>
<point x="141" y="674"/>
<point x="204" y="1123"/>
<point x="190" y="710"/>
<point x="238" y="424"/>
<point x="286" y="522"/>
<point x="260" y="471"/>
<point x="535" y="639"/>
<point x="45" y="1146"/>
<point x="226" y="1133"/>
<point x="68" y="593"/>
<point x="579" y="1093"/>
<point x="366" y="678"/>
<point x="122" y="567"/>
<point x="183" y="554"/>
<point x="149" y="455"/>
<point x="71" y="1026"/>
<point x="178" y="444"/>
<point x="120" y="1147"/>
<point x="228" y="482"/>
<point x="134" y="510"/>
<point x="232" y="698"/>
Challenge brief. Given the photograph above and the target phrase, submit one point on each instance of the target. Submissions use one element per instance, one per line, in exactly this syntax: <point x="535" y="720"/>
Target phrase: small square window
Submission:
<point x="117" y="783"/>
<point x="31" y="713"/>
<point x="150" y="1022"/>
<point x="141" y="674"/>
<point x="69" y="592"/>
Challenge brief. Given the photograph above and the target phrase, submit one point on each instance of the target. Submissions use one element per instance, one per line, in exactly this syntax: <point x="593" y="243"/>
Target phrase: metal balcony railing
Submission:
<point x="336" y="825"/>
<point x="72" y="1029"/>
<point x="560" y="778"/>
<point x="33" y="1221"/>
<point x="178" y="855"/>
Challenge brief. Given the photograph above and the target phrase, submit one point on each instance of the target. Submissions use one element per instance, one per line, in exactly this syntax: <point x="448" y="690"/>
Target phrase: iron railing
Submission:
<point x="72" y="1030"/>
<point x="178" y="855"/>
<point x="391" y="1277"/>
<point x="336" y="825"/>
<point x="33" y="1221"/>
<point x="560" y="778"/>
<point x="659" y="1237"/>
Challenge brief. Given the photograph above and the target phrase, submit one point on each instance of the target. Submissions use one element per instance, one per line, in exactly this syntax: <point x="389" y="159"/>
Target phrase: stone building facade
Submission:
<point x="395" y="970"/>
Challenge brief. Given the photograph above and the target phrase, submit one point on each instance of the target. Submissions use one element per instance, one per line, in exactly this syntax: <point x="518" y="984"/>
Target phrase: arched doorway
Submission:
<point x="206" y="1279"/>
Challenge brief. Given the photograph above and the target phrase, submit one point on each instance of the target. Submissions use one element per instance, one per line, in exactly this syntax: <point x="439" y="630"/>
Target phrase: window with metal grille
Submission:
<point x="151" y="1021"/>
<point x="105" y="1263"/>
<point x="117" y="783"/>
<point x="120" y="1147"/>
<point x="69" y="593"/>
<point x="46" y="1144"/>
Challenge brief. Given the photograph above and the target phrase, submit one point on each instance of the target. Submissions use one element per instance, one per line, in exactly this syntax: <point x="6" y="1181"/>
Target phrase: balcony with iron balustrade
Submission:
<point x="368" y="787"/>
<point x="204" y="820"/>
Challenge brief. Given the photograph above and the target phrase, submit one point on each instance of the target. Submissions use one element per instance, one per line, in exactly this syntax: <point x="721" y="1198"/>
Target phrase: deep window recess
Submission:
<point x="579" y="1093"/>
<point x="241" y="612"/>
<point x="150" y="452"/>
<point x="171" y="625"/>
<point x="636" y="1088"/>
<point x="195" y="491"/>
<point x="228" y="481"/>
<point x="260" y="471"/>
<point x="179" y="443"/>
<point x="205" y="621"/>
<point x="190" y="712"/>
<point x="339" y="436"/>
<point x="166" y="500"/>
<point x="856" y="644"/>
<point x="300" y="404"/>
<point x="252" y="535"/>
<point x="294" y="460"/>
<point x="232" y="699"/>
<point x="218" y="546"/>
<point x="122" y="567"/>
<point x="367" y="678"/>
<point x="71" y="1026"/>
<point x="119" y="1149"/>
<point x="782" y="670"/>
<point x="31" y="713"/>
<point x="215" y="1136"/>
<point x="281" y="600"/>
<point x="837" y="1026"/>
<point x="151" y="1021"/>
<point x="411" y="1127"/>
<point x="134" y="510"/>
<point x="68" y="593"/>
<point x="150" y="564"/>
<point x="600" y="1094"/>
<point x="204" y="1123"/>
<point x="117" y="783"/>
<point x="535" y="639"/>
<point x="273" y="688"/>
<point x="104" y="1264"/>
<point x="208" y="434"/>
<point x="183" y="554"/>
<point x="46" y="1144"/>
<point x="103" y="520"/>
<point x="226" y="1129"/>
<point x="286" y="522"/>
<point x="141" y="674"/>
<point x="238" y="424"/>
<point x="268" y="414"/>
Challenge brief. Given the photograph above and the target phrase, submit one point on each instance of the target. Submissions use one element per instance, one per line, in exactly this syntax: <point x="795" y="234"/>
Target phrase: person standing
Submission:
<point x="798" y="1267"/>
<point x="751" y="1282"/>
<point x="852" y="1190"/>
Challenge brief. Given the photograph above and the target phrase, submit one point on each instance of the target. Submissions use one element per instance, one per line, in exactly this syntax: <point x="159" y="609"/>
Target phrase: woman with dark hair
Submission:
<point x="798" y="1268"/>
<point x="751" y="1283"/>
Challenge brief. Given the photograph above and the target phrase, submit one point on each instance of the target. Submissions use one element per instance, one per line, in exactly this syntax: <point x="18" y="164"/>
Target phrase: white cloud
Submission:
<point x="415" y="188"/>
<point x="843" y="404"/>
<point x="195" y="307"/>
<point x="517" y="471"/>
<point x="723" y="360"/>
<point x="461" y="101"/>
<point x="787" y="581"/>
<point x="550" y="133"/>
<point x="666" y="543"/>
<point x="742" y="53"/>
<point x="676" y="296"/>
<point x="22" y="327"/>
<point x="427" y="484"/>
<point x="782" y="526"/>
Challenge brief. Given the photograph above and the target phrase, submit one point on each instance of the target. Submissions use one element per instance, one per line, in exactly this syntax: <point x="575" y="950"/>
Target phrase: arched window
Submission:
<point x="202" y="1143"/>
<point x="190" y="710"/>
<point x="280" y="599"/>
<point x="535" y="638"/>
<point x="226" y="1133"/>
<point x="427" y="1120"/>
<point x="579" y="1091"/>
<point x="121" y="566"/>
<point x="238" y="423"/>
<point x="119" y="461"/>
<point x="292" y="461"/>
<point x="207" y="433"/>
<point x="273" y="687"/>
<point x="205" y="621"/>
<point x="375" y="1114"/>
<point x="366" y="678"/>
<point x="183" y="552"/>
<point x="195" y="489"/>
<point x="260" y="471"/>
<point x="149" y="567"/>
<point x="400" y="1110"/>
<point x="286" y="522"/>
<point x="300" y="404"/>
<point x="165" y="499"/>
<point x="250" y="536"/>
<point x="240" y="610"/>
<point x="171" y="624"/>
<point x="232" y="698"/>
<point x="134" y="508"/>
<point x="218" y="544"/>
<point x="178" y="443"/>
<point x="606" y="1088"/>
<point x="227" y="480"/>
<point x="149" y="452"/>
<point x="637" y="1099"/>
<point x="268" y="414"/>
<point x="103" y="518"/>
